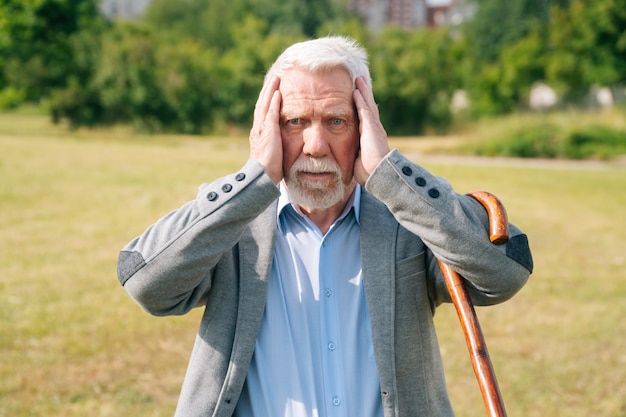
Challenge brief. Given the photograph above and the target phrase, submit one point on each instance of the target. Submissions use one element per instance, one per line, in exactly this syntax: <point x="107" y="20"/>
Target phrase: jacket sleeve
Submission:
<point x="454" y="228"/>
<point x="168" y="269"/>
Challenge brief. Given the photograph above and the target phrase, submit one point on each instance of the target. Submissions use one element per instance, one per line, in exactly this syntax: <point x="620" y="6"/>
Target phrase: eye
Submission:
<point x="336" y="122"/>
<point x="293" y="122"/>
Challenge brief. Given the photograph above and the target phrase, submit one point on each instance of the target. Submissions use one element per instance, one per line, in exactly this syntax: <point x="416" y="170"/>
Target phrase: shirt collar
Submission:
<point x="354" y="202"/>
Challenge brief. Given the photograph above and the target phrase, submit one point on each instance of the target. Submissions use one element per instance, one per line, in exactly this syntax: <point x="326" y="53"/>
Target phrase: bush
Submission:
<point x="546" y="140"/>
<point x="540" y="141"/>
<point x="11" y="97"/>
<point x="594" y="141"/>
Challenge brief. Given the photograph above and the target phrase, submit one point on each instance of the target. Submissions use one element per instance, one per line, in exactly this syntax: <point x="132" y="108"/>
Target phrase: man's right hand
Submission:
<point x="266" y="145"/>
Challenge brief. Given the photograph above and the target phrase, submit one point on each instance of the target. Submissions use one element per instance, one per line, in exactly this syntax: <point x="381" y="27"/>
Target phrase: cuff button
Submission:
<point x="433" y="192"/>
<point x="212" y="196"/>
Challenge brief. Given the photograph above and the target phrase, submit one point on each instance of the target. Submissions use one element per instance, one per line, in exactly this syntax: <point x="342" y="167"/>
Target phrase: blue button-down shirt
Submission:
<point x="314" y="355"/>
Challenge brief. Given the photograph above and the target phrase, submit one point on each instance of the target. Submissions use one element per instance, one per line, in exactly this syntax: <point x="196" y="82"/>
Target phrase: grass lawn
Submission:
<point x="74" y="344"/>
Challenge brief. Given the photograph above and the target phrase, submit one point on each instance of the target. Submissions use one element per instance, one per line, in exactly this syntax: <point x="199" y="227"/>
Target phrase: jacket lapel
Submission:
<point x="378" y="240"/>
<point x="255" y="262"/>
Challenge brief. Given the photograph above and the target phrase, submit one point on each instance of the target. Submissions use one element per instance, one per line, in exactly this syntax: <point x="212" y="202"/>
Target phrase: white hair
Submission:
<point x="324" y="55"/>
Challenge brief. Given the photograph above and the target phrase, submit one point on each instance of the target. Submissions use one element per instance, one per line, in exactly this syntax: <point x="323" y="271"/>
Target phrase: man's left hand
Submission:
<point x="373" y="137"/>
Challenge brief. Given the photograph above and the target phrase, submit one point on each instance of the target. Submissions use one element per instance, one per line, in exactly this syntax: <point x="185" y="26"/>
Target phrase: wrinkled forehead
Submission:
<point x="321" y="71"/>
<point x="308" y="94"/>
<point x="316" y="82"/>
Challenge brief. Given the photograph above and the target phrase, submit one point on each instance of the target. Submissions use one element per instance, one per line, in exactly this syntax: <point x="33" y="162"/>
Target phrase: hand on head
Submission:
<point x="265" y="141"/>
<point x="373" y="138"/>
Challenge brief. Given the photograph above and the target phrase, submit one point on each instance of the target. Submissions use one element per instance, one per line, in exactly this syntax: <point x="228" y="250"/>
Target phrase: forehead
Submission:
<point x="303" y="90"/>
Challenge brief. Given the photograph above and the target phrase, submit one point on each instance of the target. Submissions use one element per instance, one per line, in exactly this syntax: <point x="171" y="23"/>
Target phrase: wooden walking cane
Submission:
<point x="498" y="234"/>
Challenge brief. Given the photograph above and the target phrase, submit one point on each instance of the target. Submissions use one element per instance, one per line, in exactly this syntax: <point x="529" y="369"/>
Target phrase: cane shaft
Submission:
<point x="475" y="341"/>
<point x="476" y="345"/>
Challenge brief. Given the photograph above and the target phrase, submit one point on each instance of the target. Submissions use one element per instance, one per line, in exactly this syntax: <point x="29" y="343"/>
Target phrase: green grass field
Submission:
<point x="74" y="344"/>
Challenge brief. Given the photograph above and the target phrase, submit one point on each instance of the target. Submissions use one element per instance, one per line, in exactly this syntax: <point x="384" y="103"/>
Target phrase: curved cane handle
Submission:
<point x="498" y="219"/>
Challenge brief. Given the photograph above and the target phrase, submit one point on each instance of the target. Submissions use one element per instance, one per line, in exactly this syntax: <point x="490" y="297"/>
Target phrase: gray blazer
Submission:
<point x="216" y="251"/>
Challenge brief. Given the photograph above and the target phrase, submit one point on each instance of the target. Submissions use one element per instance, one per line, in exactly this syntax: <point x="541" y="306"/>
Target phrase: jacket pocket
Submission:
<point x="411" y="266"/>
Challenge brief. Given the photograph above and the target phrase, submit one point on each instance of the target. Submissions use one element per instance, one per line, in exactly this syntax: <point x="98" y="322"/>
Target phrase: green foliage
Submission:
<point x="573" y="46"/>
<point x="595" y="142"/>
<point x="504" y="86"/>
<point x="148" y="81"/>
<point x="212" y="22"/>
<point x="191" y="65"/>
<point x="548" y="140"/>
<point x="36" y="42"/>
<point x="498" y="24"/>
<point x="540" y="141"/>
<point x="11" y="97"/>
<point x="413" y="75"/>
<point x="206" y="21"/>
<point x="244" y="66"/>
<point x="588" y="45"/>
<point x="185" y="68"/>
<point x="78" y="100"/>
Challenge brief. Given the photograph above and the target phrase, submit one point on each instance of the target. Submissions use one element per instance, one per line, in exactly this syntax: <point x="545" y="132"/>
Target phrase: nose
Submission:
<point x="315" y="141"/>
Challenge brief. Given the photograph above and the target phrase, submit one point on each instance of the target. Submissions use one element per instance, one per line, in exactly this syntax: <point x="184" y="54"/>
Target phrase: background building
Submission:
<point x="412" y="13"/>
<point x="376" y="13"/>
<point x="124" y="9"/>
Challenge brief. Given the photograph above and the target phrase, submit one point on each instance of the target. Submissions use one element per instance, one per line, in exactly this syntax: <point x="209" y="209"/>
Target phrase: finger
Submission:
<point x="266" y="127"/>
<point x="368" y="118"/>
<point x="361" y="105"/>
<point x="368" y="103"/>
<point x="274" y="108"/>
<point x="263" y="103"/>
<point x="266" y="148"/>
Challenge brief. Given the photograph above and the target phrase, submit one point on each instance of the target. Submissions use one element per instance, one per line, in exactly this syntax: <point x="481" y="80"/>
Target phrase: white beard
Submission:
<point x="314" y="194"/>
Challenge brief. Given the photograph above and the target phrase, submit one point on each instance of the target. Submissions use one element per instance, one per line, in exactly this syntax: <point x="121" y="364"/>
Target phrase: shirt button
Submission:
<point x="328" y="292"/>
<point x="227" y="188"/>
<point x="331" y="346"/>
<point x="212" y="196"/>
<point x="336" y="401"/>
<point x="240" y="177"/>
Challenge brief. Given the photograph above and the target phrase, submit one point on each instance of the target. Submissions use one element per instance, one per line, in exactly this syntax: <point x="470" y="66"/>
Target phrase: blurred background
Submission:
<point x="113" y="112"/>
<point x="196" y="66"/>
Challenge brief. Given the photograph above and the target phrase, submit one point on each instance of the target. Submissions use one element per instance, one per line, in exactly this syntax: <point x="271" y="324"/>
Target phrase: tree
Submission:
<point x="245" y="65"/>
<point x="414" y="73"/>
<point x="498" y="24"/>
<point x="588" y="45"/>
<point x="503" y="86"/>
<point x="36" y="42"/>
<point x="211" y="22"/>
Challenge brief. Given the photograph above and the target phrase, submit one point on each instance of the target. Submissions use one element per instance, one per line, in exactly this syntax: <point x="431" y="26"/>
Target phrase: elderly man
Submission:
<point x="315" y="263"/>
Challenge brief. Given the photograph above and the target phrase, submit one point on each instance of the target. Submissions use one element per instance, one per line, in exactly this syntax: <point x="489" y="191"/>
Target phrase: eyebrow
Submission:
<point x="338" y="113"/>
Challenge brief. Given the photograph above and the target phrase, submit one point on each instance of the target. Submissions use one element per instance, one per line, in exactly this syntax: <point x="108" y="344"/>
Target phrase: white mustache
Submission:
<point x="316" y="166"/>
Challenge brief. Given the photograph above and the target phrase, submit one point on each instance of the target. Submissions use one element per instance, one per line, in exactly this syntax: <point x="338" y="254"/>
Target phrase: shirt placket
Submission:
<point x="330" y="337"/>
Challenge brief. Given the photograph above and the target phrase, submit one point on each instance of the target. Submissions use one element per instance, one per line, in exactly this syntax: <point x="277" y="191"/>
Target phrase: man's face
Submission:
<point x="320" y="134"/>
